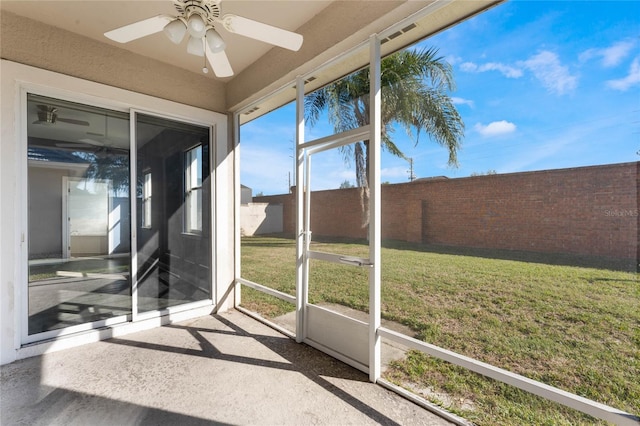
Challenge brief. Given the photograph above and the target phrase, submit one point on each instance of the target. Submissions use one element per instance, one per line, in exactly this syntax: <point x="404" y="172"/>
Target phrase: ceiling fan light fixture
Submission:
<point x="196" y="26"/>
<point x="175" y="30"/>
<point x="215" y="42"/>
<point x="195" y="46"/>
<point x="200" y="18"/>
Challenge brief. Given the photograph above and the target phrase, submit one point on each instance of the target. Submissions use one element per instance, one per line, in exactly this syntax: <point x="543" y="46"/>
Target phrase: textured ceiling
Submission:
<point x="93" y="18"/>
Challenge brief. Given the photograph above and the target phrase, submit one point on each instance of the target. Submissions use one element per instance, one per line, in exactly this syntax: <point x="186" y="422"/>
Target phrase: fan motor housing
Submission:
<point x="209" y="10"/>
<point x="47" y="114"/>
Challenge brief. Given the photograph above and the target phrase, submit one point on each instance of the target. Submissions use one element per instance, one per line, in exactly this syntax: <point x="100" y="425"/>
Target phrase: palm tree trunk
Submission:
<point x="361" y="153"/>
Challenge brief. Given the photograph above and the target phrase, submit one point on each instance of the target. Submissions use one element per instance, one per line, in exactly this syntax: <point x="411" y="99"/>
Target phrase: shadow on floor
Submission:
<point x="216" y="369"/>
<point x="300" y="358"/>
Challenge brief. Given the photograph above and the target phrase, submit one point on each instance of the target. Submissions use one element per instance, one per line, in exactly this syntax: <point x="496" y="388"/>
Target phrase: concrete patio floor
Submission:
<point x="219" y="369"/>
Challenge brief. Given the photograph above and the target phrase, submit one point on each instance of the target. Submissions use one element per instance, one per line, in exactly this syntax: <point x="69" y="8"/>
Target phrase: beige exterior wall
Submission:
<point x="32" y="43"/>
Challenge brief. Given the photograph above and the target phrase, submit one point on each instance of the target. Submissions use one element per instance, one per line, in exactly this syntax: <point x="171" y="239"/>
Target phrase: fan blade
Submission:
<point x="92" y="142"/>
<point x="72" y="121"/>
<point x="139" y="29"/>
<point x="75" y="145"/>
<point x="218" y="62"/>
<point x="263" y="32"/>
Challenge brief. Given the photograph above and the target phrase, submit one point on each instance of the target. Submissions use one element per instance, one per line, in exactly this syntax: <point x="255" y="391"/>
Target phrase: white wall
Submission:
<point x="45" y="211"/>
<point x="15" y="80"/>
<point x="260" y="218"/>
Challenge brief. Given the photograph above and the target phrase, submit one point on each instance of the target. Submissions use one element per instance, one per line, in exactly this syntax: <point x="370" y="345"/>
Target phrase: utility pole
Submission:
<point x="412" y="177"/>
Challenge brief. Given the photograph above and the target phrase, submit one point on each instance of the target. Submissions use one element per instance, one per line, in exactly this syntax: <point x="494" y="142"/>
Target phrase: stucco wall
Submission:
<point x="32" y="43"/>
<point x="260" y="218"/>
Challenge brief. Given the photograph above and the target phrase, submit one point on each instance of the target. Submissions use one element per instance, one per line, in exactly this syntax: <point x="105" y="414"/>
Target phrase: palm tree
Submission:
<point x="415" y="86"/>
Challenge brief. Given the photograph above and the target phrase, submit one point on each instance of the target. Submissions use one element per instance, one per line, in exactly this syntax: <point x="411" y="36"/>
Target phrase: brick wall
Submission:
<point x="586" y="210"/>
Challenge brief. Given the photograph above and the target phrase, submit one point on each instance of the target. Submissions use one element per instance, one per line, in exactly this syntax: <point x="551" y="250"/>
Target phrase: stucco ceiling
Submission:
<point x="93" y="18"/>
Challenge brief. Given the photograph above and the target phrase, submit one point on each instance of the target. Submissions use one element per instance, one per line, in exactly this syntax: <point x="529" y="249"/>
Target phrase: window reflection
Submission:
<point x="146" y="200"/>
<point x="193" y="189"/>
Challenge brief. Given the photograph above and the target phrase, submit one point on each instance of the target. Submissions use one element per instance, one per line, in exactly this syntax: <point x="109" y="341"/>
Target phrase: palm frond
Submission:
<point x="415" y="85"/>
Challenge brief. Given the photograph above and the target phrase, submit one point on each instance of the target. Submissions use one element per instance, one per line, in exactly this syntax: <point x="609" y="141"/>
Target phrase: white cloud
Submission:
<point x="469" y="67"/>
<point x="633" y="78"/>
<point x="453" y="60"/>
<point x="547" y="68"/>
<point x="506" y="70"/>
<point x="557" y="148"/>
<point x="612" y="55"/>
<point x="462" y="101"/>
<point x="392" y="173"/>
<point x="496" y="128"/>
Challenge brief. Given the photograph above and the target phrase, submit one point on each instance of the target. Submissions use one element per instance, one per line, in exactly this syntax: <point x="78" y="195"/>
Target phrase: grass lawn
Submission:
<point x="576" y="328"/>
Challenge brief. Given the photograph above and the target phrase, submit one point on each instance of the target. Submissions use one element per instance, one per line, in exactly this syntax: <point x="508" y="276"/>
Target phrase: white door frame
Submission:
<point x="26" y="79"/>
<point x="355" y="342"/>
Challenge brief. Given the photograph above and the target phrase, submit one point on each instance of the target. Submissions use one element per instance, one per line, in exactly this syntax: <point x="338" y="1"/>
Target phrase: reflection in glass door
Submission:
<point x="79" y="214"/>
<point x="173" y="209"/>
<point x="79" y="233"/>
<point x="87" y="217"/>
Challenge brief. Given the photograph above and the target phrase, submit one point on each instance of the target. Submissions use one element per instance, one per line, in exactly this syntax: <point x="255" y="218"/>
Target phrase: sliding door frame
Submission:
<point x="133" y="104"/>
<point x="136" y="315"/>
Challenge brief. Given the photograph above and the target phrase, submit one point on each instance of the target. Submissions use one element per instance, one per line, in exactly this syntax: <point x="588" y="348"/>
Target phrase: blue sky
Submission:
<point x="540" y="85"/>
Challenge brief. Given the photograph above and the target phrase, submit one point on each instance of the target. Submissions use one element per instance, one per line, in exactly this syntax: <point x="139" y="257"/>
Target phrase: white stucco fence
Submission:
<point x="260" y="218"/>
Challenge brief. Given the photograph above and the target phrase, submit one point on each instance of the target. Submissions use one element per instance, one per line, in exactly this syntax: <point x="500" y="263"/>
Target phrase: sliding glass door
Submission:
<point x="173" y="199"/>
<point x="79" y="215"/>
<point x="79" y="231"/>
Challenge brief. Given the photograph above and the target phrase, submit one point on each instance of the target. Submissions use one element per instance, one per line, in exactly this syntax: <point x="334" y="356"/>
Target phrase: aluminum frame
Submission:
<point x="376" y="331"/>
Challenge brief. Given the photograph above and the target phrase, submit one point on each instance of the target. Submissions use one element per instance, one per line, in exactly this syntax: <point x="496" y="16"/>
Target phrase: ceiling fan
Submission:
<point x="99" y="148"/>
<point x="199" y="19"/>
<point x="48" y="114"/>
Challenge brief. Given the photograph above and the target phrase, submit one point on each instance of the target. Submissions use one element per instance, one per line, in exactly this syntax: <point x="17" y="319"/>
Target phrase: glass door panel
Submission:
<point x="173" y="205"/>
<point x="79" y="233"/>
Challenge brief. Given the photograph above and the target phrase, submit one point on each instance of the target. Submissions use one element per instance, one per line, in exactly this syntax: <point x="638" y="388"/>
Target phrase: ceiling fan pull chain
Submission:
<point x="205" y="69"/>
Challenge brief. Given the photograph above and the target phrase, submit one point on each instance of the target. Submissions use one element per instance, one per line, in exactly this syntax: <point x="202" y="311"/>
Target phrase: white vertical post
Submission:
<point x="133" y="169"/>
<point x="375" y="139"/>
<point x="237" y="299"/>
<point x="301" y="281"/>
<point x="307" y="241"/>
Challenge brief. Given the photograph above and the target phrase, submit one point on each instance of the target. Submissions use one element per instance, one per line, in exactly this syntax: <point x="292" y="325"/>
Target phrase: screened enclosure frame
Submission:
<point x="303" y="253"/>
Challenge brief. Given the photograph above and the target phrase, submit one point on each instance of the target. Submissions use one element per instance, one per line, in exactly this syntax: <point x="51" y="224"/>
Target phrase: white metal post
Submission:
<point x="133" y="170"/>
<point x="237" y="299"/>
<point x="301" y="281"/>
<point x="375" y="139"/>
<point x="307" y="240"/>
